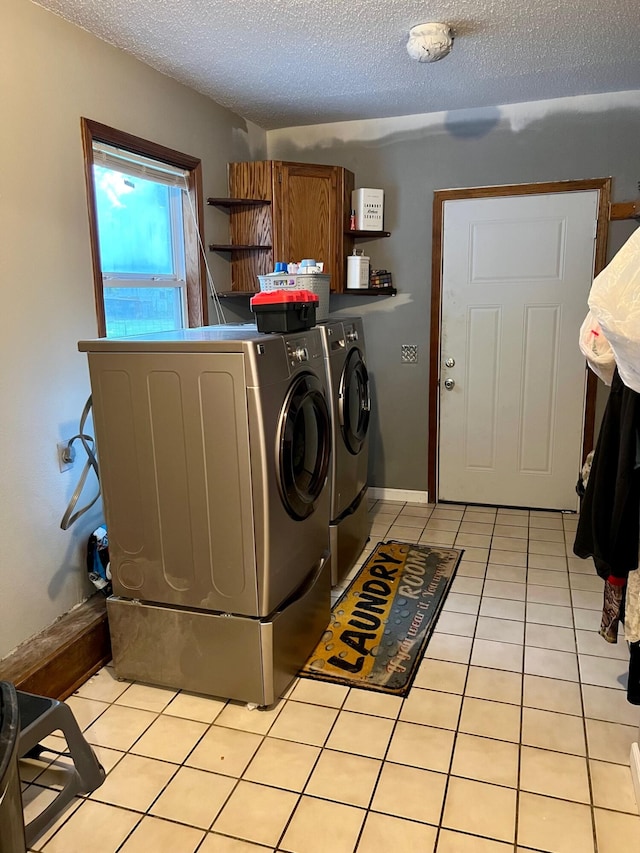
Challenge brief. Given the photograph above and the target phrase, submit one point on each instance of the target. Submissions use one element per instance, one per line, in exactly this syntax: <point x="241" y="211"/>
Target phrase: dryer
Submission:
<point x="214" y="450"/>
<point x="350" y="404"/>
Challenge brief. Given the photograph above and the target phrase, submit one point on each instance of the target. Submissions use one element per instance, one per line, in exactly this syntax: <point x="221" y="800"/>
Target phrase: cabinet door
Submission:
<point x="309" y="220"/>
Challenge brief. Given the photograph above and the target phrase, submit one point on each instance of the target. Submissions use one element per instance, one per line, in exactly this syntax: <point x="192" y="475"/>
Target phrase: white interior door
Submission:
<point x="515" y="280"/>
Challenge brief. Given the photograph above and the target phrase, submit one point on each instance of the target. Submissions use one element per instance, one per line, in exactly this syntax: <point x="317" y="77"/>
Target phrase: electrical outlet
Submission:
<point x="409" y="353"/>
<point x="66" y="455"/>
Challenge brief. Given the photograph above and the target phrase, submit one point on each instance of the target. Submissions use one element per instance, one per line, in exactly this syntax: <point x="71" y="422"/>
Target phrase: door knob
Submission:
<point x="450" y="362"/>
<point x="449" y="384"/>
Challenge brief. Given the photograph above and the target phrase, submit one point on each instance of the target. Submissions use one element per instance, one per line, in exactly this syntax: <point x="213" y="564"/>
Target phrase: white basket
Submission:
<point x="317" y="283"/>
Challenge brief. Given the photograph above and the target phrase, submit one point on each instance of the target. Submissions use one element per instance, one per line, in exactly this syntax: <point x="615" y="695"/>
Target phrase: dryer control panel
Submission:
<point x="351" y="333"/>
<point x="297" y="352"/>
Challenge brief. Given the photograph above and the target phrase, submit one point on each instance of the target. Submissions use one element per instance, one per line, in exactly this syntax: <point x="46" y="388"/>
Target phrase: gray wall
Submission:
<point x="461" y="150"/>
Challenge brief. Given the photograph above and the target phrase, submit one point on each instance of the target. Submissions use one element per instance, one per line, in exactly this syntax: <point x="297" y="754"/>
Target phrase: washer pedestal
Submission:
<point x="347" y="537"/>
<point x="220" y="654"/>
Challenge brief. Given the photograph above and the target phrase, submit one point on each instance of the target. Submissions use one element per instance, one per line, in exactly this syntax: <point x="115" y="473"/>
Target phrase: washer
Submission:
<point x="350" y="404"/>
<point x="214" y="449"/>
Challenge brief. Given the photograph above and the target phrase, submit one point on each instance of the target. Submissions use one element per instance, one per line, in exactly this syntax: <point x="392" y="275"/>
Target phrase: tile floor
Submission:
<point x="514" y="737"/>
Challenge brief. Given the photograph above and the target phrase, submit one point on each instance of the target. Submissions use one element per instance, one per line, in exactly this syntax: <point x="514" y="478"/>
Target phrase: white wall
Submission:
<point x="51" y="74"/>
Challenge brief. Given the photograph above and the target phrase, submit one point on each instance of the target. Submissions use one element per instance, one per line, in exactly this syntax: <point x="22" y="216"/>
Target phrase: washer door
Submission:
<point x="354" y="402"/>
<point x="305" y="446"/>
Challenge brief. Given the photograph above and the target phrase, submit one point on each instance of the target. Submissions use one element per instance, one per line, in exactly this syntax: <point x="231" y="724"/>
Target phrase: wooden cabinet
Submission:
<point x="281" y="211"/>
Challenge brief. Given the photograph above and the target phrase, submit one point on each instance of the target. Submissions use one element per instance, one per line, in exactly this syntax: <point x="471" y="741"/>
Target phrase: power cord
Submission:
<point x="88" y="443"/>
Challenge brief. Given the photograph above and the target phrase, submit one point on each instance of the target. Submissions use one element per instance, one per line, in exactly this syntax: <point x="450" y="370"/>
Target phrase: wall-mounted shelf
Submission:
<point x="368" y="291"/>
<point x="361" y="291"/>
<point x="236" y="247"/>
<point x="367" y="235"/>
<point x="228" y="203"/>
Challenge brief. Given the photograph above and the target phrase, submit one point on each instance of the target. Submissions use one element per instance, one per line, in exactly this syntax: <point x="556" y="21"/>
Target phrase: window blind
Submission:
<point x="139" y="166"/>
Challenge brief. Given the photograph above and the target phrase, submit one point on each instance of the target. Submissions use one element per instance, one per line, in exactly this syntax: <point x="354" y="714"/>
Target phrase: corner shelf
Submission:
<point x="236" y="247"/>
<point x="229" y="203"/>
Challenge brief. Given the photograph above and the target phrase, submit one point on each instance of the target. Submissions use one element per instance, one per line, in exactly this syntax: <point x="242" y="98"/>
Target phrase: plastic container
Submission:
<point x="318" y="283"/>
<point x="357" y="271"/>
<point x="285" y="310"/>
<point x="11" y="814"/>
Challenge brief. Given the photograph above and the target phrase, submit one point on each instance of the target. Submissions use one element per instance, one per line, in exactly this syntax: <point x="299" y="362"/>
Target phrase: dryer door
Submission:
<point x="354" y="401"/>
<point x="305" y="446"/>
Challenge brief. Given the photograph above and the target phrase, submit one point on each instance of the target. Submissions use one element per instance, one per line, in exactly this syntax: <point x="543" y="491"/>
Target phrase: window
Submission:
<point x="144" y="210"/>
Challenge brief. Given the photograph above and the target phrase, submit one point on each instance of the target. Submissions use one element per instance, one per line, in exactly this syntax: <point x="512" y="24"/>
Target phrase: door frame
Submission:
<point x="603" y="185"/>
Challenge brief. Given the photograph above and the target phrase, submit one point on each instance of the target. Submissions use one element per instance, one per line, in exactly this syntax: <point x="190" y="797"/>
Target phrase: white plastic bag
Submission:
<point x="596" y="349"/>
<point x="615" y="302"/>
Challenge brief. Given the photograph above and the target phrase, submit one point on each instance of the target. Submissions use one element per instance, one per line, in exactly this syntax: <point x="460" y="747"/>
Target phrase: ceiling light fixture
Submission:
<point x="429" y="42"/>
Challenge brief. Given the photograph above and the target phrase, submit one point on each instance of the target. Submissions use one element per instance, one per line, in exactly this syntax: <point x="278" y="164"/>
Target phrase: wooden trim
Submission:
<point x="434" y="346"/>
<point x="197" y="302"/>
<point x="625" y="210"/>
<point x="347" y="236"/>
<point x="144" y="147"/>
<point x="541" y="188"/>
<point x="96" y="264"/>
<point x="603" y="185"/>
<point x="602" y="232"/>
<point x="195" y="266"/>
<point x="63" y="656"/>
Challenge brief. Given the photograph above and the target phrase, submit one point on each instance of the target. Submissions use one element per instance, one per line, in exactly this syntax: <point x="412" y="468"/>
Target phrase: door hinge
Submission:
<point x="279" y="177"/>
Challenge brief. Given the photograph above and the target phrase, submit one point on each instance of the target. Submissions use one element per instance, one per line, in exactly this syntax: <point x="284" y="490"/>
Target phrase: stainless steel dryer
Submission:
<point x="214" y="450"/>
<point x="350" y="404"/>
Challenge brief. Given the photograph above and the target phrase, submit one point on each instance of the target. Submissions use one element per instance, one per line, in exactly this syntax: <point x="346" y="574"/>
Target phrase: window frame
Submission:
<point x="196" y="295"/>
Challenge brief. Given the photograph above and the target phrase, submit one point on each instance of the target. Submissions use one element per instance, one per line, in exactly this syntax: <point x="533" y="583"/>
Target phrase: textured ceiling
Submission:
<point x="281" y="63"/>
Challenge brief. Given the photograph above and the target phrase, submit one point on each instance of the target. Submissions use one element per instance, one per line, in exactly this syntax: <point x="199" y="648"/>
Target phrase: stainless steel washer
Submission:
<point x="214" y="450"/>
<point x="350" y="404"/>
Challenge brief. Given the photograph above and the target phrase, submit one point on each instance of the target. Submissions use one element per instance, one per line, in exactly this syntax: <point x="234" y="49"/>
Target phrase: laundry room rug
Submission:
<point x="381" y="624"/>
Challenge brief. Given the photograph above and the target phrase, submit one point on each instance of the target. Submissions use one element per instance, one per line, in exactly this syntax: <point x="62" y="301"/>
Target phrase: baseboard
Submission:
<point x="59" y="659"/>
<point x="399" y="495"/>
<point x="635" y="771"/>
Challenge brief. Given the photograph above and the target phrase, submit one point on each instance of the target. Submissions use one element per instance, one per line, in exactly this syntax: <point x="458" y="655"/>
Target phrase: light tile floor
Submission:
<point x="514" y="737"/>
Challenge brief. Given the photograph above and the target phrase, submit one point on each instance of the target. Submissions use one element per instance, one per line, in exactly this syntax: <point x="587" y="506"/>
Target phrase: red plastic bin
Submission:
<point x="285" y="310"/>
